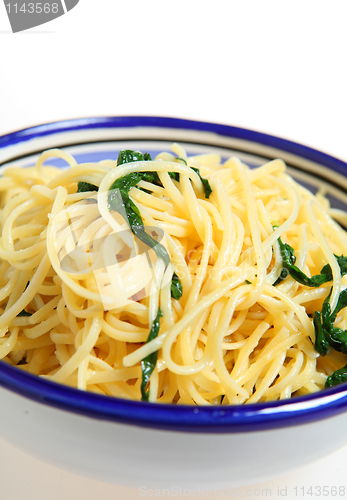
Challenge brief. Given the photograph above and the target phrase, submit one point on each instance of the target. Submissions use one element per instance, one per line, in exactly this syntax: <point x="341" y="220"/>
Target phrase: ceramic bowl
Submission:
<point x="147" y="445"/>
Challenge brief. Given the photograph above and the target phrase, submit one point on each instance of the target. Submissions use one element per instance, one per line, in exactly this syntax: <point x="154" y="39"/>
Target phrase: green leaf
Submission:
<point x="126" y="182"/>
<point x="130" y="180"/>
<point x="149" y="362"/>
<point x="342" y="262"/>
<point x="337" y="377"/>
<point x="159" y="249"/>
<point x="85" y="187"/>
<point x="327" y="335"/>
<point x="175" y="176"/>
<point x="338" y="339"/>
<point x="287" y="252"/>
<point x="205" y="183"/>
<point x="321" y="344"/>
<point x="326" y="270"/>
<point x="24" y="314"/>
<point x="176" y="287"/>
<point x="284" y="274"/>
<point x="129" y="156"/>
<point x="288" y="261"/>
<point x="184" y="161"/>
<point x="341" y="304"/>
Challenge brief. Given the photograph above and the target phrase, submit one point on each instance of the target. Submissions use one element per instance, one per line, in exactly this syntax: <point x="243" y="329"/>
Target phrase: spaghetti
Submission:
<point x="167" y="280"/>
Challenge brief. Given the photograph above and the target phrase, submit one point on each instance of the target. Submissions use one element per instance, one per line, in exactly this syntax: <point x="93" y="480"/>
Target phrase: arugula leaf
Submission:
<point x="288" y="259"/>
<point x="341" y="304"/>
<point x="327" y="335"/>
<point x="338" y="339"/>
<point x="176" y="287"/>
<point x="127" y="181"/>
<point x="205" y="183"/>
<point x="160" y="250"/>
<point x="184" y="161"/>
<point x="321" y="343"/>
<point x="288" y="267"/>
<point x="84" y="187"/>
<point x="337" y="377"/>
<point x="342" y="262"/>
<point x="175" y="176"/>
<point x="149" y="362"/>
<point x="287" y="253"/>
<point x="128" y="156"/>
<point x="24" y="314"/>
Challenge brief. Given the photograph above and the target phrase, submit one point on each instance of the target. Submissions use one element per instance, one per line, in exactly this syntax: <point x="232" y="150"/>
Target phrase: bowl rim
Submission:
<point x="210" y="419"/>
<point x="95" y="122"/>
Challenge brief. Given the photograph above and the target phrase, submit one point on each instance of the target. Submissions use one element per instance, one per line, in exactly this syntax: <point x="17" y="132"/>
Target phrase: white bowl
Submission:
<point x="161" y="446"/>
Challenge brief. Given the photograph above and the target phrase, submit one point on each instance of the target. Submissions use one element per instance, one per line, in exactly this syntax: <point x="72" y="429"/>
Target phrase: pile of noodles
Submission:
<point x="90" y="300"/>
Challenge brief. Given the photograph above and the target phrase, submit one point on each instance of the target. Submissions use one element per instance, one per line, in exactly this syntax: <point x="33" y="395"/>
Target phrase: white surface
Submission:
<point x="24" y="477"/>
<point x="277" y="67"/>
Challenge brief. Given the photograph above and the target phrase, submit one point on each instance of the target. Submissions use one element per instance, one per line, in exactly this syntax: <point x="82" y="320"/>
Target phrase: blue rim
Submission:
<point x="244" y="418"/>
<point x="226" y="419"/>
<point x="176" y="123"/>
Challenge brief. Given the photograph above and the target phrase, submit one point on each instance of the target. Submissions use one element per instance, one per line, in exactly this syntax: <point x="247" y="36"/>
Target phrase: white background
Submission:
<point x="274" y="66"/>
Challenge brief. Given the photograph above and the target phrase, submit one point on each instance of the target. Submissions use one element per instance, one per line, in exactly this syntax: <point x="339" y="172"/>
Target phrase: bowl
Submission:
<point x="148" y="445"/>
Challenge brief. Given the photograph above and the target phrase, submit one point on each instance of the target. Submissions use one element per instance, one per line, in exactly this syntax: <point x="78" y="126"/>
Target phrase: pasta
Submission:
<point x="167" y="279"/>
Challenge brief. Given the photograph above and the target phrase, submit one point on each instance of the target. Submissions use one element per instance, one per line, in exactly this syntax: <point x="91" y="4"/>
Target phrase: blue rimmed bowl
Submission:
<point x="149" y="445"/>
